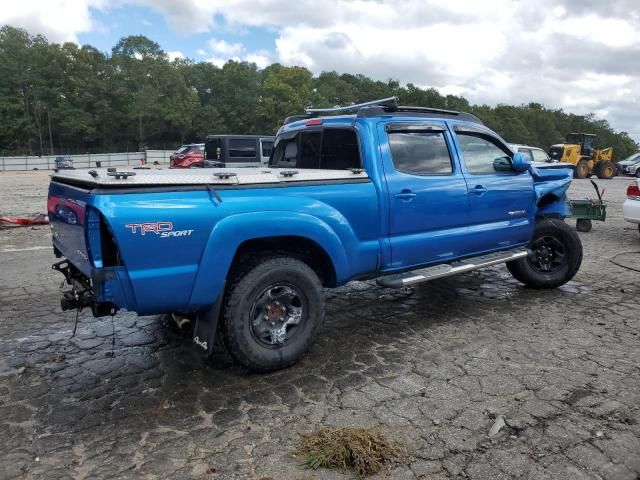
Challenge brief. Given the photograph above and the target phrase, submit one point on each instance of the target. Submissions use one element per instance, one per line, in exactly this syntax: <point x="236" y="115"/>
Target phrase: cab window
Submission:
<point x="482" y="154"/>
<point x="420" y="153"/>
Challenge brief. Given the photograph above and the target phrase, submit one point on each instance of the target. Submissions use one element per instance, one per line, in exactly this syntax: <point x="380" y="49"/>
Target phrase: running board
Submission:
<point x="431" y="273"/>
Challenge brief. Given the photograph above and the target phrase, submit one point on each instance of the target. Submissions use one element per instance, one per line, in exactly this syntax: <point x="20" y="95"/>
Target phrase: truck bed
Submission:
<point x="137" y="177"/>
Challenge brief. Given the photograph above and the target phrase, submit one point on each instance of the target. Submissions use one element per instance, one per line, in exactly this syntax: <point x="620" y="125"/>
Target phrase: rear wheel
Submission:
<point x="606" y="170"/>
<point x="556" y="255"/>
<point x="638" y="173"/>
<point x="273" y="311"/>
<point x="581" y="169"/>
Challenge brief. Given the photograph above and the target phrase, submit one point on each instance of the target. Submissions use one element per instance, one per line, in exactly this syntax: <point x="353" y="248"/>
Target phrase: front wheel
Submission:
<point x="581" y="170"/>
<point x="555" y="256"/>
<point x="273" y="311"/>
<point x="606" y="170"/>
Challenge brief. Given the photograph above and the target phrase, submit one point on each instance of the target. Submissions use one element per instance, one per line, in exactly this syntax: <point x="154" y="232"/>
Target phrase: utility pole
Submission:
<point x="50" y="134"/>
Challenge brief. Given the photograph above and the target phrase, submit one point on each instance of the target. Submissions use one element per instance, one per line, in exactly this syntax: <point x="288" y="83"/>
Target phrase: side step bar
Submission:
<point x="431" y="273"/>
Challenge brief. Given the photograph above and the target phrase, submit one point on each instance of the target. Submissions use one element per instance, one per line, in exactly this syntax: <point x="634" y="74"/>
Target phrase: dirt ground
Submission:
<point x="434" y="367"/>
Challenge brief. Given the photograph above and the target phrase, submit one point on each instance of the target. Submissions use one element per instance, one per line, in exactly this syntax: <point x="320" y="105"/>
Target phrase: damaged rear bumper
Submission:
<point x="81" y="291"/>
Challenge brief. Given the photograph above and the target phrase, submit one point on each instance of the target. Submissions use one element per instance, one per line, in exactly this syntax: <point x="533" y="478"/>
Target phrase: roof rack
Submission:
<point x="390" y="102"/>
<point x="381" y="107"/>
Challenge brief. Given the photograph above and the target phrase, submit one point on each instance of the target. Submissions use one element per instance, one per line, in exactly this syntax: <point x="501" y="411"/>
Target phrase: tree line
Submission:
<point x="59" y="99"/>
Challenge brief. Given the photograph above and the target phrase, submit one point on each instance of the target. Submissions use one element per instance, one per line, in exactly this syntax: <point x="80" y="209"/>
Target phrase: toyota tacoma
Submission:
<point x="379" y="191"/>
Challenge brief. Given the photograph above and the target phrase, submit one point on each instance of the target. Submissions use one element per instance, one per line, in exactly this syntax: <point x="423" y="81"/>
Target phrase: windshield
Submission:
<point x="632" y="158"/>
<point x="183" y="149"/>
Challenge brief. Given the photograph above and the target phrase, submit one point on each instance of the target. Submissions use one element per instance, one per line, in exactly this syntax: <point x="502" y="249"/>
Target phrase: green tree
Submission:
<point x="66" y="98"/>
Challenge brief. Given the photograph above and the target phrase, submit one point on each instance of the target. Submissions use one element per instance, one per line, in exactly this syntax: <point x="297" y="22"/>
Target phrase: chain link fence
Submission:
<point x="87" y="160"/>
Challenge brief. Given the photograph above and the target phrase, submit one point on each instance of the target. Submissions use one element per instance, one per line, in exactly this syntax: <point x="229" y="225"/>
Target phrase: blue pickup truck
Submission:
<point x="377" y="191"/>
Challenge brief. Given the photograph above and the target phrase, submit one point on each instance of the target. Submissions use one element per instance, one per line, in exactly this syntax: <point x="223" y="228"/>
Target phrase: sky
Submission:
<point x="579" y="55"/>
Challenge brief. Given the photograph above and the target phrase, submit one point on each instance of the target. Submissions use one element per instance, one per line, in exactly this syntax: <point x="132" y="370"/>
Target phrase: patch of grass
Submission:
<point x="364" y="451"/>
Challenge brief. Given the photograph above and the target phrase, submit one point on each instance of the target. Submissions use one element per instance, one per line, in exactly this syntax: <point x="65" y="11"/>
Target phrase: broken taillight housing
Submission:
<point x="633" y="191"/>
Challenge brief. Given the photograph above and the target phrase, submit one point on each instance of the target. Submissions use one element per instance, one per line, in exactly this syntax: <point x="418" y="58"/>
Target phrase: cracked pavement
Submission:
<point x="434" y="366"/>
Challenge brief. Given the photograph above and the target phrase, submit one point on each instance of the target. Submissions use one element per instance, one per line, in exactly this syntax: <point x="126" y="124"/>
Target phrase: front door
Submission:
<point x="501" y="201"/>
<point x="428" y="200"/>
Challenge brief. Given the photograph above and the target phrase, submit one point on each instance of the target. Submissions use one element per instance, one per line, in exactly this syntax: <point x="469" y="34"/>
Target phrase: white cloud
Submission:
<point x="146" y="23"/>
<point x="175" y="54"/>
<point x="59" y="20"/>
<point x="222" y="51"/>
<point x="570" y="54"/>
<point x="217" y="61"/>
<point x="224" y="48"/>
<point x="261" y="58"/>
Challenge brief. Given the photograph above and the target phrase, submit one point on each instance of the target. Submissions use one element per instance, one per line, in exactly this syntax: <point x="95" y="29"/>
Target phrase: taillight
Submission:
<point x="633" y="191"/>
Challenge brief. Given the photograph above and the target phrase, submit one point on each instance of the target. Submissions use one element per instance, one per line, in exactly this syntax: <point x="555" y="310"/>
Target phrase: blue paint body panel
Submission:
<point x="363" y="227"/>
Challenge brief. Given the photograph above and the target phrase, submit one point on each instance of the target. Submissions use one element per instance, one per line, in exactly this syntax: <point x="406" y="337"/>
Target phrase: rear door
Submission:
<point x="242" y="152"/>
<point x="428" y="199"/>
<point x="266" y="145"/>
<point x="501" y="200"/>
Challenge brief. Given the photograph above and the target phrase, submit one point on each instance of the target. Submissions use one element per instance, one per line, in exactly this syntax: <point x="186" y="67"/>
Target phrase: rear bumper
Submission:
<point x="631" y="210"/>
<point x="82" y="292"/>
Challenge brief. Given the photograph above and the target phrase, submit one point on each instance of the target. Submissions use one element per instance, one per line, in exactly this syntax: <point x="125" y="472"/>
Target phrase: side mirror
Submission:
<point x="520" y="162"/>
<point x="502" y="164"/>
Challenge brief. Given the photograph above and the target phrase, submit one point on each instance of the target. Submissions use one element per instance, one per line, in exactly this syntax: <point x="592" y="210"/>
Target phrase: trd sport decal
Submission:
<point x="163" y="229"/>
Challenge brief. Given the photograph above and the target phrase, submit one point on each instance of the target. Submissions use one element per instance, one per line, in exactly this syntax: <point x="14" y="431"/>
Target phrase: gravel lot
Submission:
<point x="434" y="367"/>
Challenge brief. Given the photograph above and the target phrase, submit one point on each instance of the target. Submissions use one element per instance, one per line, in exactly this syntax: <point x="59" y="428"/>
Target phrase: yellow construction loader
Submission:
<point x="587" y="160"/>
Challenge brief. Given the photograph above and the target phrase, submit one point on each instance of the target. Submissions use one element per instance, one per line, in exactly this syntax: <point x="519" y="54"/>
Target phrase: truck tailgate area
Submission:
<point x="67" y="209"/>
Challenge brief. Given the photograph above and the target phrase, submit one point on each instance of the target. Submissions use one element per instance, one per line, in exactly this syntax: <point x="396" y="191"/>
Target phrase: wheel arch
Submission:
<point x="300" y="234"/>
<point x="302" y="248"/>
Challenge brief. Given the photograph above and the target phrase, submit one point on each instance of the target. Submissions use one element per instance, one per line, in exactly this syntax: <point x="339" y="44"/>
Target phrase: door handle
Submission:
<point x="405" y="195"/>
<point x="478" y="190"/>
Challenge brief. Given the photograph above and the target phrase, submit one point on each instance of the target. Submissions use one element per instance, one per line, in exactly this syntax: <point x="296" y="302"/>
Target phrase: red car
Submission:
<point x="188" y="156"/>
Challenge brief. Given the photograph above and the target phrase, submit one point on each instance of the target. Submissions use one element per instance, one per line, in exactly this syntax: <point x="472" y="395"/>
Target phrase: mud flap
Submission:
<point x="204" y="333"/>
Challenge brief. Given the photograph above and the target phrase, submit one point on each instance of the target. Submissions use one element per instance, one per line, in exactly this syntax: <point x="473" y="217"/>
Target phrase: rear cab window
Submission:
<point x="328" y="148"/>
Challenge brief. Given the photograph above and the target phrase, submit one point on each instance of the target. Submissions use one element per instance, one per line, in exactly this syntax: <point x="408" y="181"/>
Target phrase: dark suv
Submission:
<point x="237" y="150"/>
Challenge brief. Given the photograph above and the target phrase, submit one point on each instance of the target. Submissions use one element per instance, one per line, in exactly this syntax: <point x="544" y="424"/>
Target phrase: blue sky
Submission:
<point x="114" y="23"/>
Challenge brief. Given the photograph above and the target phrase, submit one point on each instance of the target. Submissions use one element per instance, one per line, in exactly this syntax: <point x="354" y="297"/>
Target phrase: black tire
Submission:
<point x="581" y="169"/>
<point x="555" y="265"/>
<point x="584" y="225"/>
<point x="638" y="173"/>
<point x="267" y="286"/>
<point x="606" y="170"/>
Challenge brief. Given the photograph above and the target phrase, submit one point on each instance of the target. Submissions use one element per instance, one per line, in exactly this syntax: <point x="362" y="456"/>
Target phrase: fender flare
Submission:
<point x="228" y="234"/>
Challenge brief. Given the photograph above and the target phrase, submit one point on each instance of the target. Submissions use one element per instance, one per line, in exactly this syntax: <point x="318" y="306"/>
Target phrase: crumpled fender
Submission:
<point x="551" y="182"/>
